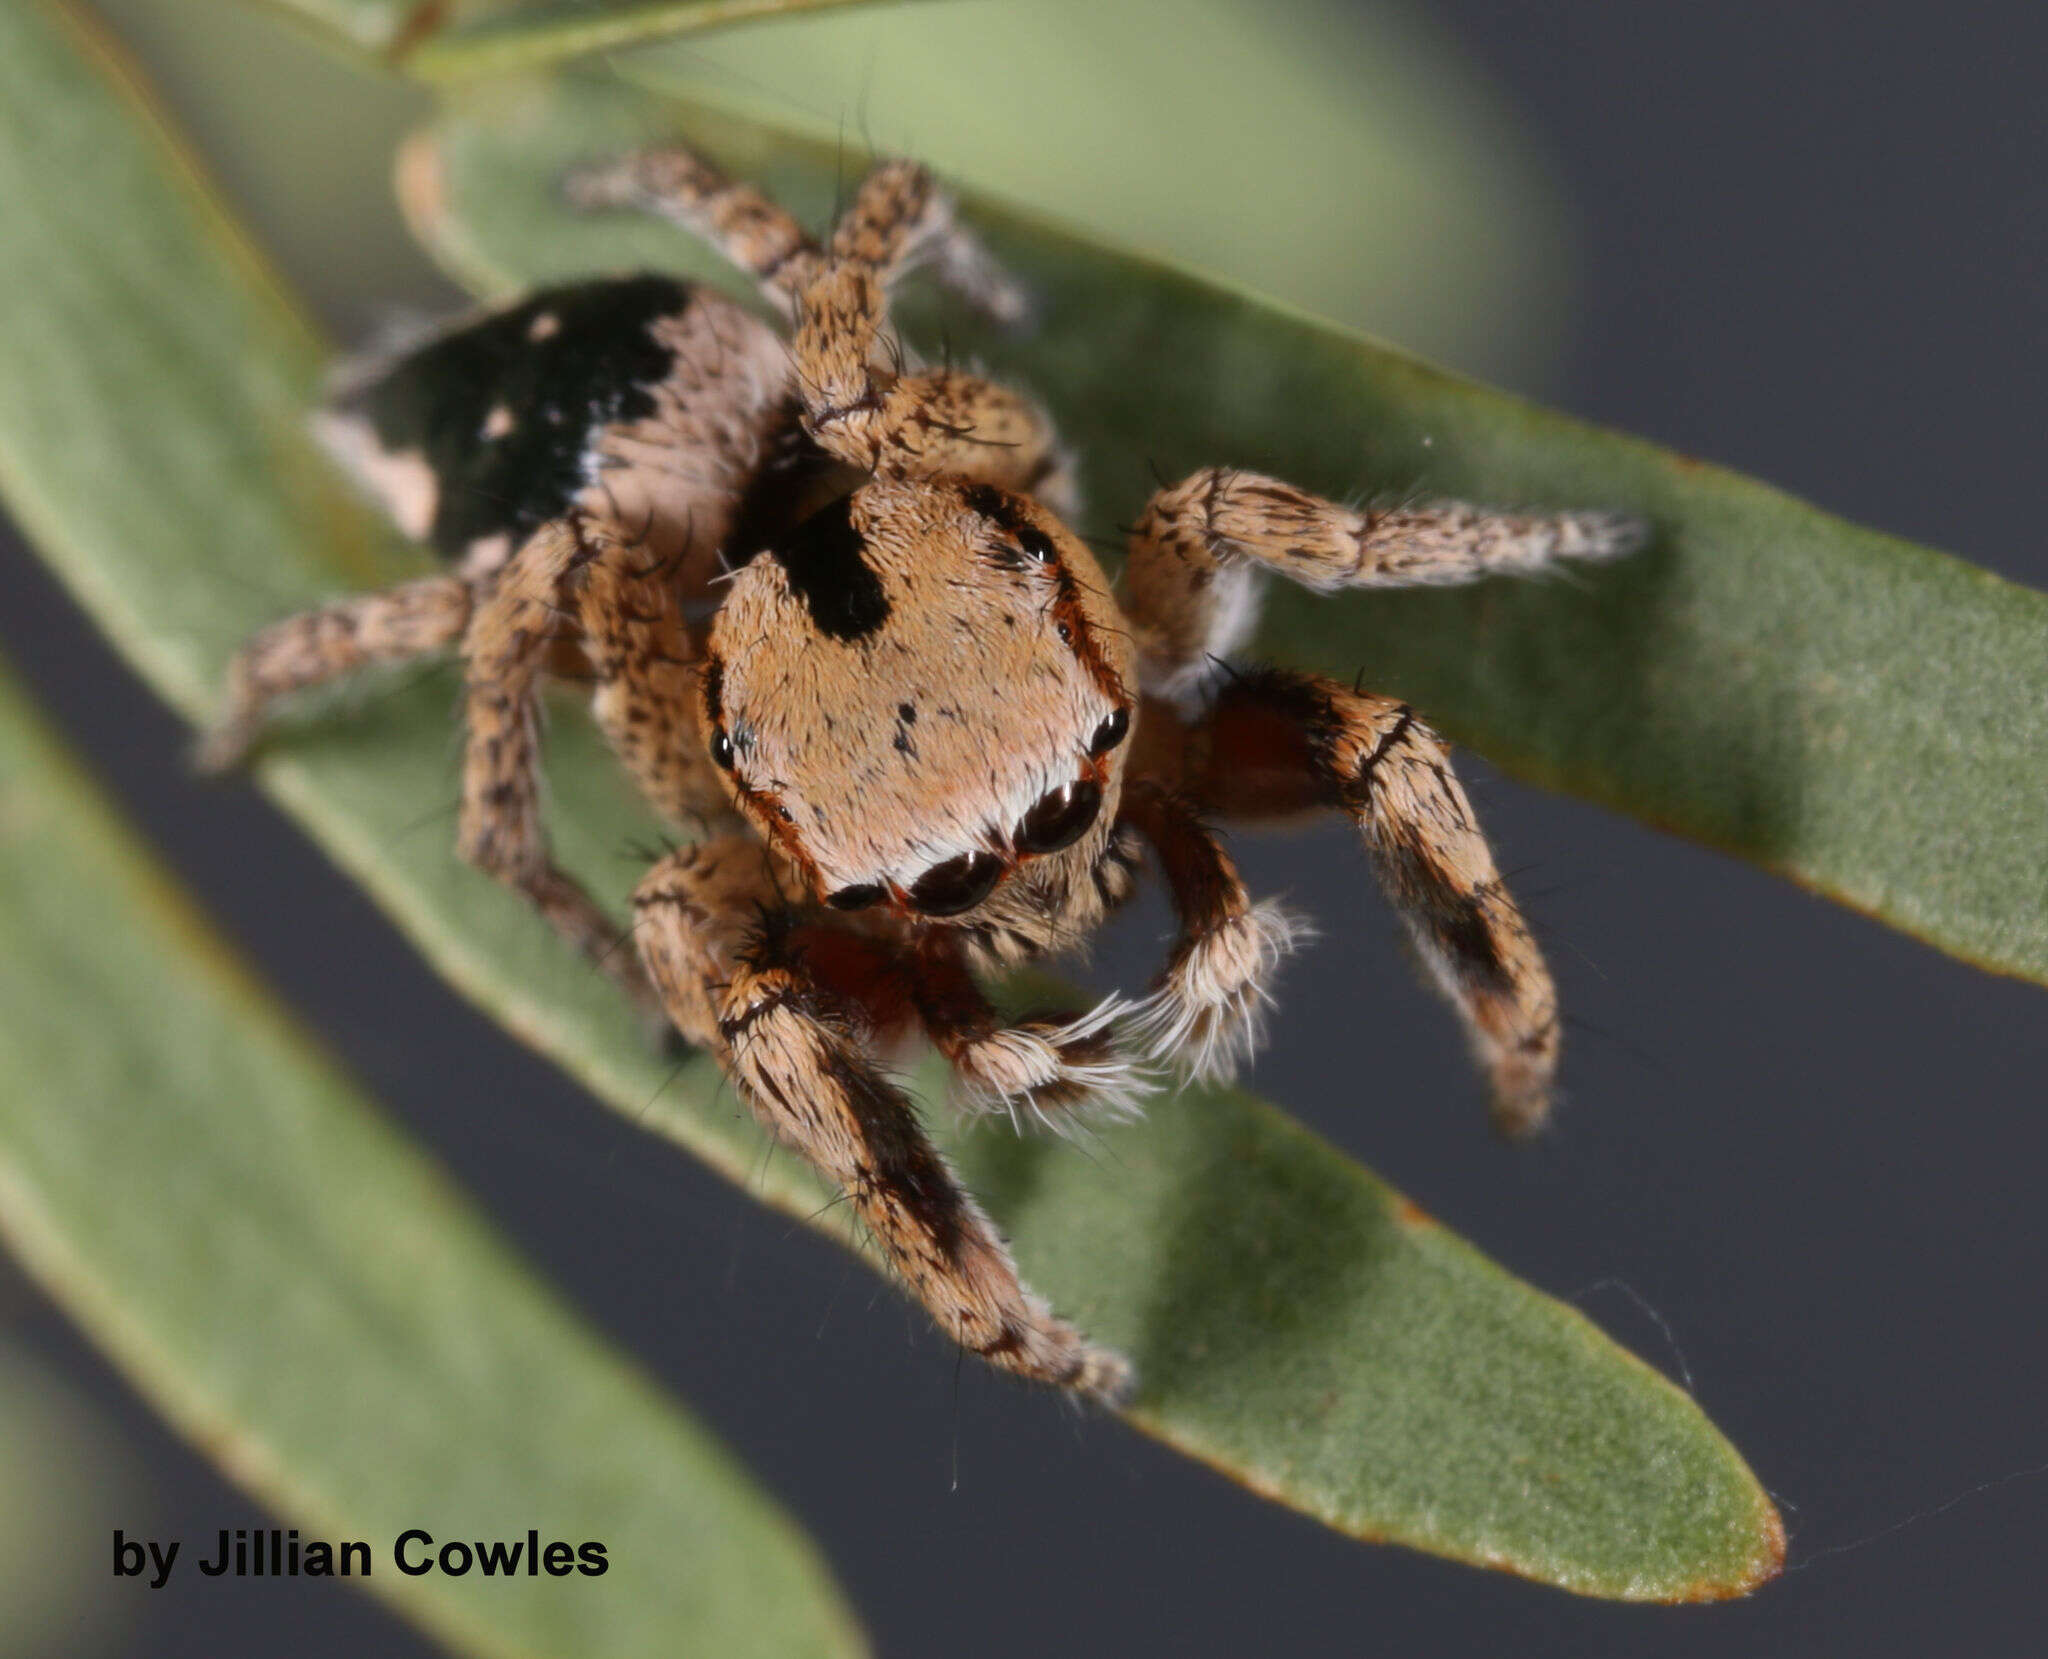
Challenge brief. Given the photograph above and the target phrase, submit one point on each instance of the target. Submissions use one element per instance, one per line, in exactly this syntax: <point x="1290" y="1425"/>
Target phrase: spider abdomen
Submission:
<point x="643" y="399"/>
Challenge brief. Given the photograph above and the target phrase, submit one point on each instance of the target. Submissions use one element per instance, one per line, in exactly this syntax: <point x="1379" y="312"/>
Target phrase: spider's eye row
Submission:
<point x="721" y="749"/>
<point x="1110" y="733"/>
<point x="1060" y="818"/>
<point x="1037" y="544"/>
<point x="956" y="885"/>
<point x="856" y="898"/>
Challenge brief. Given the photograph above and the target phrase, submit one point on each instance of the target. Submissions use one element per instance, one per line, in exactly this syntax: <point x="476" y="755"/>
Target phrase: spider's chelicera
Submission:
<point x="830" y="604"/>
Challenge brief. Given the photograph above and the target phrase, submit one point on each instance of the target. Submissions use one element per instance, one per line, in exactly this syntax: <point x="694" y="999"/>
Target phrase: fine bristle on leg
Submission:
<point x="1206" y="1018"/>
<point x="1057" y="1072"/>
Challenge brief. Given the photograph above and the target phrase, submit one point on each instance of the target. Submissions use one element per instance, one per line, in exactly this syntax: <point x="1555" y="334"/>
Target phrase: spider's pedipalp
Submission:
<point x="1056" y="1072"/>
<point x="1206" y="1017"/>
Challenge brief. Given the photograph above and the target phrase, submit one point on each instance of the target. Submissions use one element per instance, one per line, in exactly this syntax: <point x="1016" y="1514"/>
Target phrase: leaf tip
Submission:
<point x="1765" y="1563"/>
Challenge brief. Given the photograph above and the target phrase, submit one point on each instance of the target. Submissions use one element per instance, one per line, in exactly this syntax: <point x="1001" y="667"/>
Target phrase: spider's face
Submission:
<point x="924" y="694"/>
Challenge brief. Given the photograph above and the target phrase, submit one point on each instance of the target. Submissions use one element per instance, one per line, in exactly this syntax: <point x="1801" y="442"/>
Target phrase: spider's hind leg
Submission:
<point x="902" y="219"/>
<point x="899" y="220"/>
<point x="414" y="619"/>
<point x="675" y="183"/>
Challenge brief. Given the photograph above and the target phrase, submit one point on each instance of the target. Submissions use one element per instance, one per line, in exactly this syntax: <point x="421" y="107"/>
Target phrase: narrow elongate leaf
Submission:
<point x="454" y="39"/>
<point x="1296" y="1323"/>
<point x="1866" y="717"/>
<point x="308" y="1299"/>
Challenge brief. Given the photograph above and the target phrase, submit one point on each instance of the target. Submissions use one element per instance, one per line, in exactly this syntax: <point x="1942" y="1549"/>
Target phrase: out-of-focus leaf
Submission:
<point x="1348" y="158"/>
<point x="1295" y="1322"/>
<point x="306" y="1297"/>
<point x="273" y="1265"/>
<point x="454" y="39"/>
<point x="1866" y="717"/>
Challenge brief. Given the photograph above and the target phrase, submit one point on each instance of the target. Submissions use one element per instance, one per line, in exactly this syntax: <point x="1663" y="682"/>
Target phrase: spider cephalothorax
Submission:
<point x="829" y="610"/>
<point x="920" y="695"/>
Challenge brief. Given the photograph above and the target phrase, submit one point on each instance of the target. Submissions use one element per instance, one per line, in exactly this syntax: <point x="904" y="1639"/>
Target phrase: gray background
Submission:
<point x="1812" y="241"/>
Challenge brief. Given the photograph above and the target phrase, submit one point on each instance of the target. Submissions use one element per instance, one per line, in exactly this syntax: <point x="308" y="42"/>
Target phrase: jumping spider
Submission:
<point x="828" y="601"/>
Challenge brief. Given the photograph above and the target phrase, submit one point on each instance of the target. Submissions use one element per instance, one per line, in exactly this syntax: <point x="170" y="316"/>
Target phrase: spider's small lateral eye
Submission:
<point x="1110" y="733"/>
<point x="956" y="885"/>
<point x="1060" y="818"/>
<point x="857" y="897"/>
<point x="722" y="750"/>
<point x="1037" y="544"/>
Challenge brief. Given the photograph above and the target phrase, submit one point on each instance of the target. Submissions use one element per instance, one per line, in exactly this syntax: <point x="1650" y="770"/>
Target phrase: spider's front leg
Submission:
<point x="737" y="979"/>
<point x="1276" y="743"/>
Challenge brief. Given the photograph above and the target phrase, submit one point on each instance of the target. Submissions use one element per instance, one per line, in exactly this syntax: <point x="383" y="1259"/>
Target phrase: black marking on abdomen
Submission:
<point x="562" y="364"/>
<point x="824" y="560"/>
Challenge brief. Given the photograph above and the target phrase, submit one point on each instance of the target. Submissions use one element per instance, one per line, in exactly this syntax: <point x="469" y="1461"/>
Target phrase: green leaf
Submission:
<point x="1866" y="717"/>
<point x="310" y="1300"/>
<point x="454" y="39"/>
<point x="1295" y="1322"/>
<point x="305" y="1296"/>
<point x="271" y="1262"/>
<point x="1370" y="114"/>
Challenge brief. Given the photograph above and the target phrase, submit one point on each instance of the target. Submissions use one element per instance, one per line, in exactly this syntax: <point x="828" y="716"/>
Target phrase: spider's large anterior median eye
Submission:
<point x="1110" y="733"/>
<point x="956" y="885"/>
<point x="1060" y="818"/>
<point x="721" y="749"/>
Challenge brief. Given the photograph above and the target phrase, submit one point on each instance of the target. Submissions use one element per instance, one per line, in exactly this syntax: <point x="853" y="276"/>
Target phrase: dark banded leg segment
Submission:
<point x="735" y="978"/>
<point x="1278" y="743"/>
